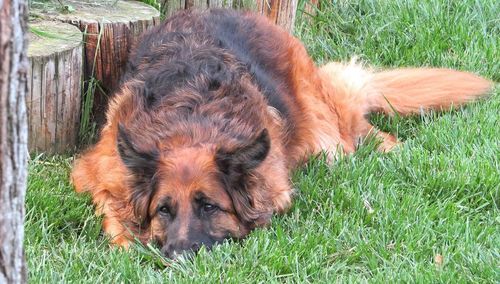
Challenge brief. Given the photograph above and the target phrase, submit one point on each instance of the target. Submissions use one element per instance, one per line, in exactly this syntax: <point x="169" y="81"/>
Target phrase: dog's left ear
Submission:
<point x="237" y="167"/>
<point x="142" y="165"/>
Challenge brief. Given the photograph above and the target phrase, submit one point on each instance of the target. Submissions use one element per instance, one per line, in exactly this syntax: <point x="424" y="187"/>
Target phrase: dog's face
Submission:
<point x="190" y="197"/>
<point x="191" y="207"/>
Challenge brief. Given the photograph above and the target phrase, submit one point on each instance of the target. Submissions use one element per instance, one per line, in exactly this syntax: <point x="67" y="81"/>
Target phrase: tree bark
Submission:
<point x="13" y="139"/>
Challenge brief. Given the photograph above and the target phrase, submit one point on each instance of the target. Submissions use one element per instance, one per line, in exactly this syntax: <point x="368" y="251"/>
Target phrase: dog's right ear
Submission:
<point x="143" y="166"/>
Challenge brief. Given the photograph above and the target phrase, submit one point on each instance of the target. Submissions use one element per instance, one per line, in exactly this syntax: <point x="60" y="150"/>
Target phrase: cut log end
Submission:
<point x="109" y="33"/>
<point x="116" y="12"/>
<point x="50" y="37"/>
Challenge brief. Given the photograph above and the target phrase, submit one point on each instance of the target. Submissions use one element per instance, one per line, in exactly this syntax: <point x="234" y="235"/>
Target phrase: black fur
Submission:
<point x="244" y="40"/>
<point x="236" y="170"/>
<point x="207" y="51"/>
<point x="239" y="162"/>
<point x="143" y="166"/>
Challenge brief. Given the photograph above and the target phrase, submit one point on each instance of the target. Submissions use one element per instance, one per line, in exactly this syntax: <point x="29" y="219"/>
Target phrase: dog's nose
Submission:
<point x="174" y="250"/>
<point x="195" y="247"/>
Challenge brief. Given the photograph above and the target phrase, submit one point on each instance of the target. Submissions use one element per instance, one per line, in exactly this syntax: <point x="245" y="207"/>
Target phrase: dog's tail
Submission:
<point x="405" y="91"/>
<point x="413" y="90"/>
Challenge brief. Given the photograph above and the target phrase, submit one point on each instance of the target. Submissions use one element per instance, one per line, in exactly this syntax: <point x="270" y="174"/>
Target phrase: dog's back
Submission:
<point x="214" y="48"/>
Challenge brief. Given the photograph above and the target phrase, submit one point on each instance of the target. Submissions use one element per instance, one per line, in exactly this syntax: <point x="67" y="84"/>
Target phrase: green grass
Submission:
<point x="369" y="217"/>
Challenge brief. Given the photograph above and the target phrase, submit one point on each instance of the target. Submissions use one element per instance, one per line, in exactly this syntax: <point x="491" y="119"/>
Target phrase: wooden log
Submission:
<point x="205" y="4"/>
<point x="281" y="12"/>
<point x="199" y="4"/>
<point x="219" y="3"/>
<point x="110" y="31"/>
<point x="168" y="7"/>
<point x="310" y="7"/>
<point x="243" y="4"/>
<point x="54" y="84"/>
<point x="235" y="4"/>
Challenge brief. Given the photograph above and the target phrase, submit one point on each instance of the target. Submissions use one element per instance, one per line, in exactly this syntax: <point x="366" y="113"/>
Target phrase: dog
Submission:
<point x="215" y="110"/>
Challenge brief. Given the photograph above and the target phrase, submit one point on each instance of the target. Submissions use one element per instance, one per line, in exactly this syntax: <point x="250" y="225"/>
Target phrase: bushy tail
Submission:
<point x="354" y="91"/>
<point x="405" y="91"/>
<point x="409" y="91"/>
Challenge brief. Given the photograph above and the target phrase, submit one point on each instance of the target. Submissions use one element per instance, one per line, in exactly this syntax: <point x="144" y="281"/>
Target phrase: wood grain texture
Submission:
<point x="13" y="139"/>
<point x="205" y="4"/>
<point x="109" y="34"/>
<point x="310" y="7"/>
<point x="54" y="96"/>
<point x="199" y="4"/>
<point x="281" y="12"/>
<point x="168" y="7"/>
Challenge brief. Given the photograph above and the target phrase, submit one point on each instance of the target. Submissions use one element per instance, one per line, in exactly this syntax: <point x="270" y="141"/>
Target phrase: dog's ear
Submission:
<point x="237" y="167"/>
<point x="238" y="163"/>
<point x="142" y="165"/>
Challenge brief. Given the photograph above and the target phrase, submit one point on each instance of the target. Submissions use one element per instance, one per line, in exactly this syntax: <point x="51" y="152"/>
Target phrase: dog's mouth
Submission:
<point x="189" y="251"/>
<point x="189" y="254"/>
<point x="185" y="253"/>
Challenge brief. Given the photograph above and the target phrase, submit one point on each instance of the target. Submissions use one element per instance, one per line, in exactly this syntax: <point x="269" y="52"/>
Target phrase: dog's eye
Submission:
<point x="209" y="208"/>
<point x="164" y="210"/>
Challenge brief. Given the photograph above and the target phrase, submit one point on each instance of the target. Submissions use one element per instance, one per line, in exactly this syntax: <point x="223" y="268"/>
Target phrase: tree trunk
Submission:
<point x="55" y="74"/>
<point x="13" y="139"/>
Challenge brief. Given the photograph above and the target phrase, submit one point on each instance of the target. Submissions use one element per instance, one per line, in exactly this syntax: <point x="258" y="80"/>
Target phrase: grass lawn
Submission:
<point x="426" y="213"/>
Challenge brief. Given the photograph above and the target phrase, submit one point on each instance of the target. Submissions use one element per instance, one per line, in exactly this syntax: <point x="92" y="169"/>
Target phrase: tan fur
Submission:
<point x="329" y="110"/>
<point x="415" y="90"/>
<point x="356" y="91"/>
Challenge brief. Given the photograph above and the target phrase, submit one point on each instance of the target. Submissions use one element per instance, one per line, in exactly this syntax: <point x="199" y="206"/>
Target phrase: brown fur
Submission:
<point x="327" y="113"/>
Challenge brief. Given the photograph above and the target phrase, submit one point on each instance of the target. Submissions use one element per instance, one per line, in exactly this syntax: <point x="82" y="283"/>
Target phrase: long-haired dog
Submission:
<point x="214" y="112"/>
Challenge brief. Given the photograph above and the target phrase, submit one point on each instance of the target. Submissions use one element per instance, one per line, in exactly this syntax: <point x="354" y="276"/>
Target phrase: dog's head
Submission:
<point x="196" y="196"/>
